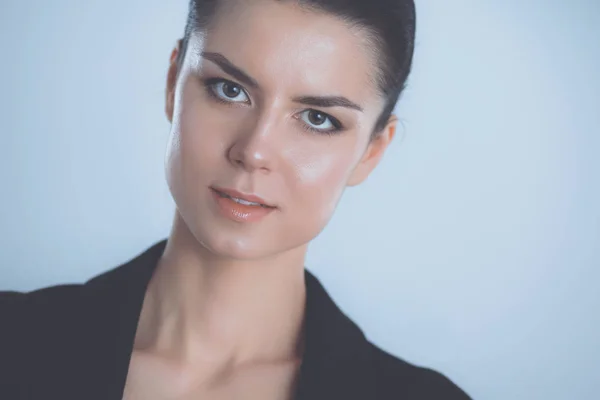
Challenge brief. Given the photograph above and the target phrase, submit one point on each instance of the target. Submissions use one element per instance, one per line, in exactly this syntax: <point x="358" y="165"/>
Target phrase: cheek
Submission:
<point x="192" y="153"/>
<point x="321" y="175"/>
<point x="197" y="141"/>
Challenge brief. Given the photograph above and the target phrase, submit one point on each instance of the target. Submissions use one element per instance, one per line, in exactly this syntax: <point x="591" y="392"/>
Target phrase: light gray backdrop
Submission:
<point x="474" y="248"/>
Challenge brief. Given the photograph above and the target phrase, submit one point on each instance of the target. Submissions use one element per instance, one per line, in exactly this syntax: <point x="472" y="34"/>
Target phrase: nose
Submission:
<point x="254" y="147"/>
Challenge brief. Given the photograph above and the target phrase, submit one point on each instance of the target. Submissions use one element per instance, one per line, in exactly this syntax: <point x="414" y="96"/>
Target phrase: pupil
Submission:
<point x="316" y="117"/>
<point x="230" y="90"/>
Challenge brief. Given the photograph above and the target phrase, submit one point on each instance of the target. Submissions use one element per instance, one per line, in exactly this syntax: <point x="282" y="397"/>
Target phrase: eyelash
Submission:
<point x="337" y="126"/>
<point x="209" y="85"/>
<point x="211" y="82"/>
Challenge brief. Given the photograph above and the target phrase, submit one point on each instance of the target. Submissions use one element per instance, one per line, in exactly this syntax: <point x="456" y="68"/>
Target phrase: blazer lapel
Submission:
<point x="337" y="360"/>
<point x="116" y="299"/>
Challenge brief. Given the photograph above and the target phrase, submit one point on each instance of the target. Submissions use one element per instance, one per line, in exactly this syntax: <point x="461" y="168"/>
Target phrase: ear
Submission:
<point x="171" y="81"/>
<point x="374" y="152"/>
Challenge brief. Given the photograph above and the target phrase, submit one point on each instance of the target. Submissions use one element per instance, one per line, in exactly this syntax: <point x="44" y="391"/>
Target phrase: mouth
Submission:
<point x="243" y="199"/>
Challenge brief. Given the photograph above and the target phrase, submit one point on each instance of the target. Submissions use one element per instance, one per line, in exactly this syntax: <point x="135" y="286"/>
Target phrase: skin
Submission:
<point x="223" y="313"/>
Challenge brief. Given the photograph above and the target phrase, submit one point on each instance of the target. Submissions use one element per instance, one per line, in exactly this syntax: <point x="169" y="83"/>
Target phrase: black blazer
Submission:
<point x="75" y="342"/>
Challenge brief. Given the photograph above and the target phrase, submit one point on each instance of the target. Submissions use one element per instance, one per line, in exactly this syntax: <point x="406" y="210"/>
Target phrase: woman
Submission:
<point x="275" y="107"/>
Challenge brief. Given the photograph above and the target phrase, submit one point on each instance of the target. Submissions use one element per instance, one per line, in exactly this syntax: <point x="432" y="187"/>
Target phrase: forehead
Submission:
<point x="286" y="47"/>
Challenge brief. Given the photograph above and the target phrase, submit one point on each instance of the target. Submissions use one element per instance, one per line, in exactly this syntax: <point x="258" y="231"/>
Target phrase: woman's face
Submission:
<point x="273" y="102"/>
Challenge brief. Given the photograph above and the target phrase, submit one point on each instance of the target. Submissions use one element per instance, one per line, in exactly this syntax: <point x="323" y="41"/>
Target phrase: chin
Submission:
<point x="225" y="243"/>
<point x="227" y="240"/>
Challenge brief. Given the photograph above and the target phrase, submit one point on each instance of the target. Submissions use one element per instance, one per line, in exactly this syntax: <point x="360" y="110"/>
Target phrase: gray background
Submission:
<point x="473" y="249"/>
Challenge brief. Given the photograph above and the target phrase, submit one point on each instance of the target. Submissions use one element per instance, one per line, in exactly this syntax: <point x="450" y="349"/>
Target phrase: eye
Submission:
<point x="227" y="91"/>
<point x="320" y="121"/>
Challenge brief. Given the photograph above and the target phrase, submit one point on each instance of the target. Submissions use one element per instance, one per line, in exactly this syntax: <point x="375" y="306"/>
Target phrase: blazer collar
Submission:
<point x="336" y="362"/>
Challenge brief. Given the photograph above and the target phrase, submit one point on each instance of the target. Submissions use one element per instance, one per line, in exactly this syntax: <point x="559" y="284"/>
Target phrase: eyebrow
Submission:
<point x="328" y="101"/>
<point x="316" y="101"/>
<point x="230" y="68"/>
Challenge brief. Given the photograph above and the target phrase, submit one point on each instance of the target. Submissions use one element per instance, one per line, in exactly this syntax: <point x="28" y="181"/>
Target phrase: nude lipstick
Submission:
<point x="241" y="207"/>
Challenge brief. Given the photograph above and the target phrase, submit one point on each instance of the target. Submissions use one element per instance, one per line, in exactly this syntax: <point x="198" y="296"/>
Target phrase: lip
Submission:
<point x="238" y="212"/>
<point x="243" y="196"/>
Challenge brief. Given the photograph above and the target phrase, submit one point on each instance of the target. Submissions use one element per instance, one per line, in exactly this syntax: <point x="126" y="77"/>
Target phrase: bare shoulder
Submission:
<point x="398" y="379"/>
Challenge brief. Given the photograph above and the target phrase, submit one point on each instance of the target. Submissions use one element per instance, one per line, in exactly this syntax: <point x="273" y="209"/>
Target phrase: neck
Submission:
<point x="199" y="306"/>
